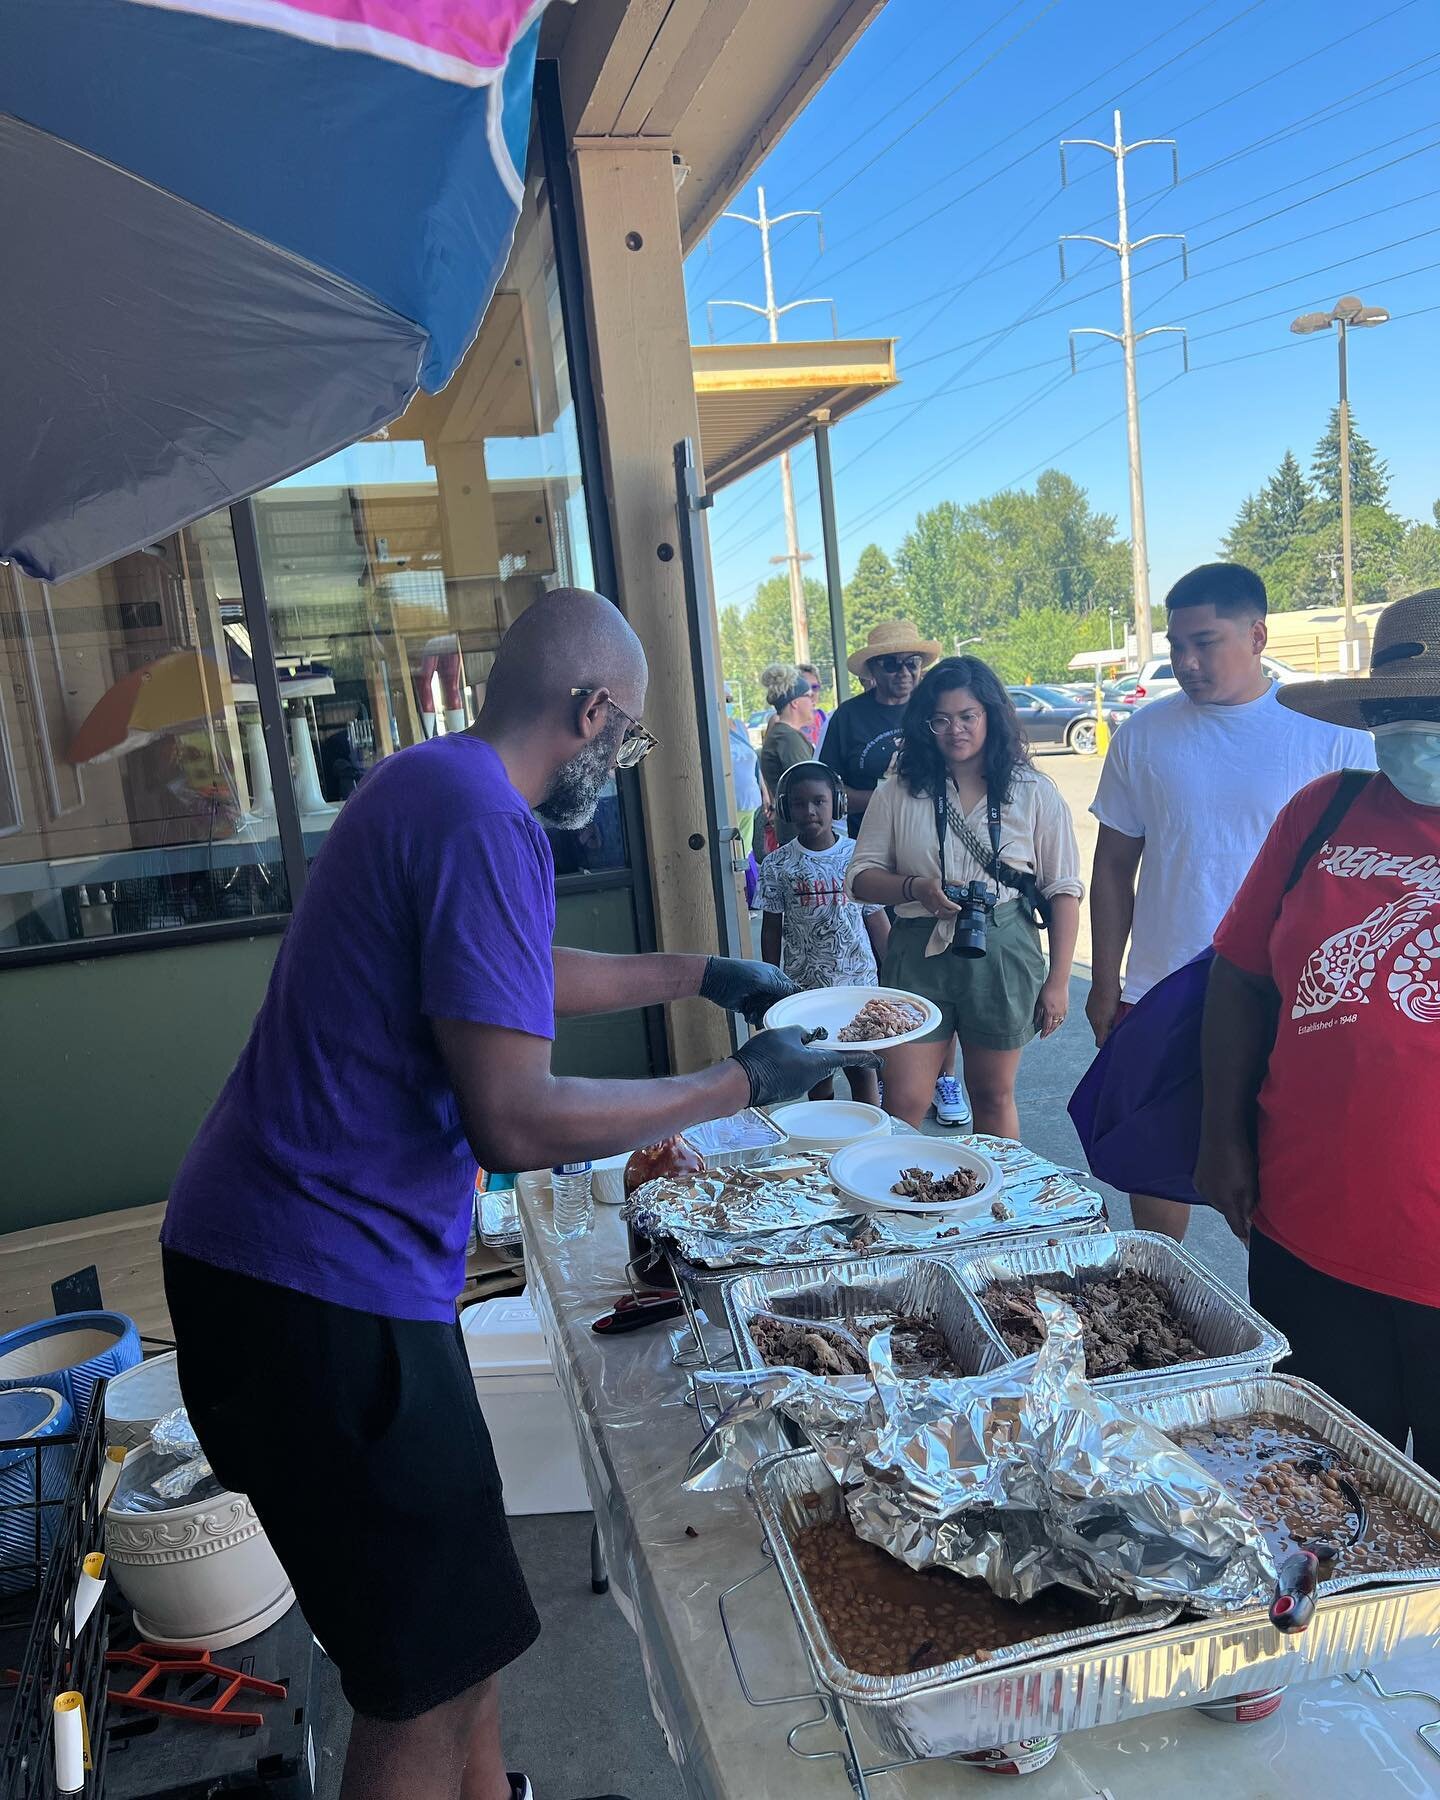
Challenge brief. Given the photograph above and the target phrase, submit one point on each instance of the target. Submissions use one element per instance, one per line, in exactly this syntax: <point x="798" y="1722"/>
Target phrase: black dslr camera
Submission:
<point x="976" y="902"/>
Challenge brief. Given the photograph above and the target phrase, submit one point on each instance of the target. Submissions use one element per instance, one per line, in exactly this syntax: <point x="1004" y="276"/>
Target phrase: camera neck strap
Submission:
<point x="945" y="814"/>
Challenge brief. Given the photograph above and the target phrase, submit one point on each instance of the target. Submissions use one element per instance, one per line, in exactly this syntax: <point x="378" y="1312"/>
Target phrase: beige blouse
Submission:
<point x="1037" y="835"/>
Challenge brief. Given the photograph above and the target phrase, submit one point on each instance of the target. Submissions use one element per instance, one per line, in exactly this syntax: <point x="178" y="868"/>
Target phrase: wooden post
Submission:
<point x="640" y="344"/>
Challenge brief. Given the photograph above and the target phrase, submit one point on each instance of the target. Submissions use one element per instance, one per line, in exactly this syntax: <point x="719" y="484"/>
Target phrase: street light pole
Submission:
<point x="1347" y="312"/>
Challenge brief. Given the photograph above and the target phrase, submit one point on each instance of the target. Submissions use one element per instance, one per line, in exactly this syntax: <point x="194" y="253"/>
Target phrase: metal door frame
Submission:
<point x="691" y="504"/>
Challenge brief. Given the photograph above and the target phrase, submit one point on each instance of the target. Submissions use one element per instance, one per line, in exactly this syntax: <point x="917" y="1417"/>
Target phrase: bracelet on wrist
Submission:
<point x="907" y="890"/>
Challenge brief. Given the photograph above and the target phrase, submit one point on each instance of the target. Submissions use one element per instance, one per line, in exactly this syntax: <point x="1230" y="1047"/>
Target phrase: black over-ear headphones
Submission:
<point x="809" y="771"/>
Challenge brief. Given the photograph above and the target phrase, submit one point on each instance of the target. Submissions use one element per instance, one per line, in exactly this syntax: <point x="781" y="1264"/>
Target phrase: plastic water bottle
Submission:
<point x="573" y="1204"/>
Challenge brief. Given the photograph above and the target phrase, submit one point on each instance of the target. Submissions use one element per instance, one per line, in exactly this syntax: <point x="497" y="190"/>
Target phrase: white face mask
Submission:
<point x="1408" y="753"/>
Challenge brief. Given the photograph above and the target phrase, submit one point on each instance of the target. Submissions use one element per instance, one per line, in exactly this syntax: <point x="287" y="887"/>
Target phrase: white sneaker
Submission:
<point x="952" y="1106"/>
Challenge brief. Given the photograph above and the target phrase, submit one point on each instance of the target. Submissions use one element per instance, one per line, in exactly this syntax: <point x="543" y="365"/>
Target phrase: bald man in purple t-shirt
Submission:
<point x="314" y="1241"/>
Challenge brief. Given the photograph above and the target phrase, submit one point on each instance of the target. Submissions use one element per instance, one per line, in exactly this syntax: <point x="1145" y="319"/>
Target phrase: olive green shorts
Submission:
<point x="987" y="1001"/>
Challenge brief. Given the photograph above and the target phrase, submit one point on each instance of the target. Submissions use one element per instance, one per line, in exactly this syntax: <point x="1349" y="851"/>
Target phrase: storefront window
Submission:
<point x="132" y="774"/>
<point x="393" y="568"/>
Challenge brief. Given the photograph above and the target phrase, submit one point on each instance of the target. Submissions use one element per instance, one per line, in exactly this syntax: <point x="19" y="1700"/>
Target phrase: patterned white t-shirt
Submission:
<point x="824" y="936"/>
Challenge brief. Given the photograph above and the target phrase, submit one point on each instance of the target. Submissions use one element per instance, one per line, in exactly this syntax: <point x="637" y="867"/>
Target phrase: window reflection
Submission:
<point x="393" y="569"/>
<point x="132" y="772"/>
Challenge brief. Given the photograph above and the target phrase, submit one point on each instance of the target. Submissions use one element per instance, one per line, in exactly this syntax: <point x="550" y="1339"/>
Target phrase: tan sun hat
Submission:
<point x="895" y="637"/>
<point x="1404" y="665"/>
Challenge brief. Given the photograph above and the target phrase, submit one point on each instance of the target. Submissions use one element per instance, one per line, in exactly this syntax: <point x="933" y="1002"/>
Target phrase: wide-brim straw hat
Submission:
<point x="895" y="637"/>
<point x="1404" y="665"/>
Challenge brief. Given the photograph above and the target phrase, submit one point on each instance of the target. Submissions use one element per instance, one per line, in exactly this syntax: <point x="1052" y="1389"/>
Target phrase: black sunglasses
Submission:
<point x="894" y="665"/>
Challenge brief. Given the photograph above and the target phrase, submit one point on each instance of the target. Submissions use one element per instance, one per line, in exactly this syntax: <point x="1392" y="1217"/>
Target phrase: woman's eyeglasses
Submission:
<point x="637" y="742"/>
<point x="896" y="665"/>
<point x="940" y="723"/>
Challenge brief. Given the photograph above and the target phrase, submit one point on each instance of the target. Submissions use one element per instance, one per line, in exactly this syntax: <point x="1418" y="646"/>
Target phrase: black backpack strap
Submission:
<point x="1347" y="791"/>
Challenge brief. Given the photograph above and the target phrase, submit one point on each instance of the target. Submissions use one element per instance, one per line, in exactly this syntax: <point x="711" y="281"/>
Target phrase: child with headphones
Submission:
<point x="812" y="929"/>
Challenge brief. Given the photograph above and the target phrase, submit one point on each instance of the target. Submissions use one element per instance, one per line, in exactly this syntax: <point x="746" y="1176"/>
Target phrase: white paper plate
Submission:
<point x="867" y="1172"/>
<point x="828" y="1124"/>
<point x="835" y="1007"/>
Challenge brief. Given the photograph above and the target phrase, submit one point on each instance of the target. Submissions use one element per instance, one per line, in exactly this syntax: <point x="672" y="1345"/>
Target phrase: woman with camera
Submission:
<point x="973" y="848"/>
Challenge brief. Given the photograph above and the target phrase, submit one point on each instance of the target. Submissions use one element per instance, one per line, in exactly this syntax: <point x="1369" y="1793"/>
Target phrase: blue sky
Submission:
<point x="932" y="153"/>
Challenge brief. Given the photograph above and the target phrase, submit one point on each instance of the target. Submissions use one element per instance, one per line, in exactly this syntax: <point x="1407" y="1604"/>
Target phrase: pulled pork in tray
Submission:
<point x="837" y="1346"/>
<point x="1129" y="1320"/>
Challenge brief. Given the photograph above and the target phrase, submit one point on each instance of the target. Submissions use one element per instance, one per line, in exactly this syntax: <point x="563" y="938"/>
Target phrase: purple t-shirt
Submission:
<point x="334" y="1161"/>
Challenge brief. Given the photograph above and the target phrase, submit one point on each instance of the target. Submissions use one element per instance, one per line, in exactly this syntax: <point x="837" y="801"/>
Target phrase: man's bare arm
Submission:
<point x="589" y="981"/>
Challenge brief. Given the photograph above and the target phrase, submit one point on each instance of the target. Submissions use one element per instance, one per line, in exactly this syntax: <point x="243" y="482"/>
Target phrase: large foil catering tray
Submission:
<point x="1106" y="1674"/>
<point x="1302" y="1403"/>
<point x="1234" y="1336"/>
<point x="929" y="1713"/>
<point x="918" y="1286"/>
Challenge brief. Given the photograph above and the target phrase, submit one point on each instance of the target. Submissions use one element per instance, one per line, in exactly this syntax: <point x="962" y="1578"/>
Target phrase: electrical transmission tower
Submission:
<point x="794" y="557"/>
<point x="1127" y="337"/>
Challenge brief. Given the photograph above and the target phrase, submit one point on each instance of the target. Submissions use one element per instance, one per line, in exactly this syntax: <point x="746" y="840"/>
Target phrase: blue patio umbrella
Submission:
<point x="240" y="234"/>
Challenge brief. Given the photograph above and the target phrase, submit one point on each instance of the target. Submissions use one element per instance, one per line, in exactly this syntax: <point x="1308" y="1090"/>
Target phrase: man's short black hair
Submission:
<point x="1232" y="589"/>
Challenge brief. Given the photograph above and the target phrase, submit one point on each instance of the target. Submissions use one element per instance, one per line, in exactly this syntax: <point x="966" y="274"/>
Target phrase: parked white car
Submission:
<point x="1158" y="678"/>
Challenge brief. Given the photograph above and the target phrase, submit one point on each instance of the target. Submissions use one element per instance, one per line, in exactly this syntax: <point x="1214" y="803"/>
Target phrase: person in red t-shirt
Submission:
<point x="1320" y="1140"/>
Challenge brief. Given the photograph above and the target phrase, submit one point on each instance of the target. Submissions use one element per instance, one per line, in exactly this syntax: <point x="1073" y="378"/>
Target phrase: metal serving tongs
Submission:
<point x="1300" y="1574"/>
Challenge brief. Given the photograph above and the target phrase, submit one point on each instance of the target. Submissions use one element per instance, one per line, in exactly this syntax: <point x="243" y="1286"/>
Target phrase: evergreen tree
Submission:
<point x="1369" y="476"/>
<point x="1285" y="496"/>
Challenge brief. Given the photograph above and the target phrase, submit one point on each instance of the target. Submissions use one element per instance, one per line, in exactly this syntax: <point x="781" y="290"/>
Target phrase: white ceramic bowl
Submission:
<point x="865" y="1173"/>
<point x="198" y="1576"/>
<point x="835" y="1007"/>
<point x="828" y="1124"/>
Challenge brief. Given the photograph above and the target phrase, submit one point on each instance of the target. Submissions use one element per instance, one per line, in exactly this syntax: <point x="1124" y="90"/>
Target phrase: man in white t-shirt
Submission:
<point x="1190" y="789"/>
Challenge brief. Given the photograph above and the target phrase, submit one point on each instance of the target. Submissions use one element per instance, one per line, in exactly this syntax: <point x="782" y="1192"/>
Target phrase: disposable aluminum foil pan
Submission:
<point x="917" y="1714"/>
<point x="915" y="1286"/>
<point x="1233" y="1336"/>
<point x="1096" y="1679"/>
<point x="1302" y="1403"/>
<point x="734" y="1143"/>
<point x="704" y="1288"/>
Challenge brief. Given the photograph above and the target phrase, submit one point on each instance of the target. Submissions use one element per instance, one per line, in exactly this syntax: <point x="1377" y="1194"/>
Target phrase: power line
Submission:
<point x="801" y="182"/>
<point x="1224" y="213"/>
<point x="1048" y="139"/>
<point x="1264" y="142"/>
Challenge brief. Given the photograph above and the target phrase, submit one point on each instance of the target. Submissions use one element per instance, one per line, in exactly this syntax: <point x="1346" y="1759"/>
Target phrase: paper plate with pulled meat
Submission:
<point x="878" y="1018"/>
<point x="919" y="1175"/>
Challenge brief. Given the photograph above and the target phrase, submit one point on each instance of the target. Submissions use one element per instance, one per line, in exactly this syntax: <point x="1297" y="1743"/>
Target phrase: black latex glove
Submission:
<point x="781" y="1067"/>
<point x="748" y="988"/>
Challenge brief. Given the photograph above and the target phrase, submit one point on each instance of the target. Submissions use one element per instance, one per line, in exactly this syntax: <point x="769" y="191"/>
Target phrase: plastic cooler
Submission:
<point x="529" y="1422"/>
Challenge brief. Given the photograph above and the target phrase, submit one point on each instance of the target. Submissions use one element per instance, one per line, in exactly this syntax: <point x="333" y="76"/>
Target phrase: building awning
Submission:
<point x="756" y="400"/>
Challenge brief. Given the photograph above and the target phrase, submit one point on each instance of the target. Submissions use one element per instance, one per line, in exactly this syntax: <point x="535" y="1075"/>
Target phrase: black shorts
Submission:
<point x="362" y="1447"/>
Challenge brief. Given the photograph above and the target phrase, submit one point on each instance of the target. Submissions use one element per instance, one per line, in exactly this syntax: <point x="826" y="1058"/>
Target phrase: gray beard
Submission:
<point x="577" y="785"/>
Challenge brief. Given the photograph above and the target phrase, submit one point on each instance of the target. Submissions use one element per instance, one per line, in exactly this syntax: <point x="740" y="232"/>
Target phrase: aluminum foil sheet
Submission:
<point x="1101" y="1675"/>
<point x="1028" y="1477"/>
<point x="1233" y="1335"/>
<point x="729" y="1206"/>
<point x="740" y="1220"/>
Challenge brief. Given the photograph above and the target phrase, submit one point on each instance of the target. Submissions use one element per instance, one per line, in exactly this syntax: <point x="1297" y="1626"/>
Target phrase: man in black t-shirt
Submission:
<point x="864" y="731"/>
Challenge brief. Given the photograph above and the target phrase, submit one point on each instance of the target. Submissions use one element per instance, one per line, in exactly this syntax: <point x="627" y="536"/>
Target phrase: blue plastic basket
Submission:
<point x="34" y="1480"/>
<point x="71" y="1353"/>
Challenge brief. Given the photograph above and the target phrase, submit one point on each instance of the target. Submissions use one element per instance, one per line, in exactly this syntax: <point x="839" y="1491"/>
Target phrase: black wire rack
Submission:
<point x="59" y="1523"/>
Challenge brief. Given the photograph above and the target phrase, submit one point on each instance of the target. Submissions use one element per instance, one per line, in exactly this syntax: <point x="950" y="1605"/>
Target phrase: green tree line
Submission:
<point x="1038" y="575"/>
